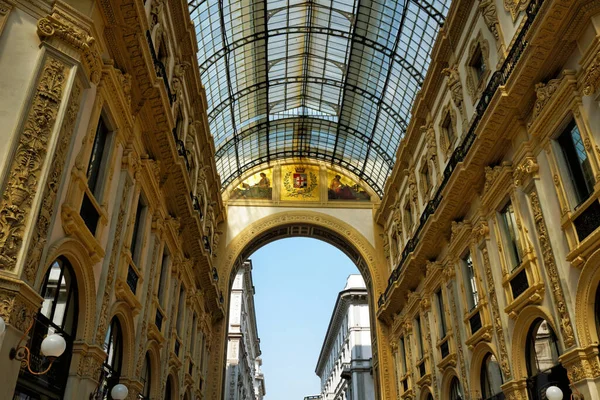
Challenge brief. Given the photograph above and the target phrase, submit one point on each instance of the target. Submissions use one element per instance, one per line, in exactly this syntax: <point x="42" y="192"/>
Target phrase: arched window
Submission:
<point x="429" y="397"/>
<point x="597" y="310"/>
<point x="111" y="368"/>
<point x="147" y="377"/>
<point x="491" y="378"/>
<point x="455" y="390"/>
<point x="543" y="367"/>
<point x="58" y="314"/>
<point x="168" y="390"/>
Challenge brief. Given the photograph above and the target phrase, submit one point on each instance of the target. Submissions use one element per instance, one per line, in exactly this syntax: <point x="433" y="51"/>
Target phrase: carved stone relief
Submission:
<point x="566" y="326"/>
<point x="41" y="228"/>
<point x="26" y="168"/>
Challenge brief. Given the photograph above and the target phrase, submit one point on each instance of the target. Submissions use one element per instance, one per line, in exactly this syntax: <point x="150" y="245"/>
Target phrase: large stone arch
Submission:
<point x="79" y="259"/>
<point x="309" y="223"/>
<point x="122" y="312"/>
<point x="479" y="353"/>
<point x="520" y="335"/>
<point x="589" y="281"/>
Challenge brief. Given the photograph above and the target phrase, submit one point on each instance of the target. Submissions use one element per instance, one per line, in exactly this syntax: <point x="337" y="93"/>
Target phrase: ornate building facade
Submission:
<point x="245" y="381"/>
<point x="344" y="365"/>
<point x="449" y="148"/>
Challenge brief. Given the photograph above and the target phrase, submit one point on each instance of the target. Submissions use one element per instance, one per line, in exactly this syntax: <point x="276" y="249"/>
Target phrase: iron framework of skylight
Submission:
<point x="326" y="79"/>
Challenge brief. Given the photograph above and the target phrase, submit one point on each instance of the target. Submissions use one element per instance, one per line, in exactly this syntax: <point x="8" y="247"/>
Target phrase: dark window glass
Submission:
<point x="448" y="128"/>
<point x="146" y="377"/>
<point x="478" y="64"/>
<point x="58" y="315"/>
<point x="135" y="239"/>
<point x="471" y="284"/>
<point x="543" y="366"/>
<point x="162" y="283"/>
<point x="95" y="165"/>
<point x="419" y="334"/>
<point x="408" y="215"/>
<point x="168" y="390"/>
<point x="181" y="311"/>
<point x="491" y="377"/>
<point x="426" y="177"/>
<point x="509" y="225"/>
<point x="455" y="390"/>
<point x="402" y="356"/>
<point x="597" y="309"/>
<point x="111" y="368"/>
<point x="578" y="163"/>
<point x="440" y="305"/>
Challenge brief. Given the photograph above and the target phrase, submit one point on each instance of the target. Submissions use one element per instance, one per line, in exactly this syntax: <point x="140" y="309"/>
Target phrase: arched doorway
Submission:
<point x="58" y="314"/>
<point x="146" y="378"/>
<point x="543" y="367"/>
<point x="330" y="230"/>
<point x="491" y="378"/>
<point x="456" y="391"/>
<point x="111" y="368"/>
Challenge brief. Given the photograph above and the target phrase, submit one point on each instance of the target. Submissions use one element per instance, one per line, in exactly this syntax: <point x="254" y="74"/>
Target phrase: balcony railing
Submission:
<point x="475" y="322"/>
<point x="588" y="221"/>
<point x="132" y="279"/>
<point x="161" y="71"/>
<point x="498" y="78"/>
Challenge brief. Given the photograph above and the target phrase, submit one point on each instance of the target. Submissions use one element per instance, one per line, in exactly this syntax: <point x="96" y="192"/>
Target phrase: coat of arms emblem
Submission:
<point x="300" y="183"/>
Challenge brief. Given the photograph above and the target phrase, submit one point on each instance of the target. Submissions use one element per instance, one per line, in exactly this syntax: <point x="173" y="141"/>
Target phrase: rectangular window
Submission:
<point x="511" y="236"/>
<point x="470" y="284"/>
<point x="181" y="311"/>
<point x="419" y="336"/>
<point x="402" y="356"/>
<point x="478" y="64"/>
<point x="426" y="178"/>
<point x="448" y="128"/>
<point x="408" y="216"/>
<point x="440" y="305"/>
<point x="578" y="162"/>
<point x="97" y="158"/>
<point x="136" y="237"/>
<point x="162" y="283"/>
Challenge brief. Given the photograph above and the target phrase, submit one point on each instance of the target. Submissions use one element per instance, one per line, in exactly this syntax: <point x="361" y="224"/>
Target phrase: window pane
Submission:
<point x="513" y="244"/>
<point x="471" y="284"/>
<point x="94" y="167"/>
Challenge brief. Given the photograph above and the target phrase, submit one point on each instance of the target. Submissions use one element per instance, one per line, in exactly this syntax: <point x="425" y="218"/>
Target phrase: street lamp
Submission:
<point x="53" y="346"/>
<point x="119" y="392"/>
<point x="554" y="393"/>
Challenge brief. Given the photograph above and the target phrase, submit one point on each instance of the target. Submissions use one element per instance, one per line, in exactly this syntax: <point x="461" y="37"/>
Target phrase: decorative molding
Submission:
<point x="110" y="275"/>
<point x="496" y="316"/>
<point x="566" y="326"/>
<point x="591" y="81"/>
<point x="459" y="342"/>
<point x="475" y="85"/>
<point x="525" y="171"/>
<point x="56" y="26"/>
<point x="431" y="357"/>
<point x="455" y="88"/>
<point x="543" y="93"/>
<point x="42" y="226"/>
<point x="514" y="7"/>
<point x="26" y="168"/>
<point x="490" y="16"/>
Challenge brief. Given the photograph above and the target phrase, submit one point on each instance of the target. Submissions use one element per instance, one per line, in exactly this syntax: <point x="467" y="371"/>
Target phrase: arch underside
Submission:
<point x="302" y="78"/>
<point x="308" y="231"/>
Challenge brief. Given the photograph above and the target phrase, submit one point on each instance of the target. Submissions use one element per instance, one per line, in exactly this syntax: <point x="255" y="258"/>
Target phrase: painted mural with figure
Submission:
<point x="344" y="188"/>
<point x="257" y="186"/>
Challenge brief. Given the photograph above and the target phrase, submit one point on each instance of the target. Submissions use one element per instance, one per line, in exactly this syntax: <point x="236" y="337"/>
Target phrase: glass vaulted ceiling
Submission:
<point x="327" y="79"/>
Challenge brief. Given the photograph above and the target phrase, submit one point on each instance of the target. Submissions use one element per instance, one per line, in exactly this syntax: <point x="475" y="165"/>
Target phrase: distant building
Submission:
<point x="344" y="364"/>
<point x="245" y="380"/>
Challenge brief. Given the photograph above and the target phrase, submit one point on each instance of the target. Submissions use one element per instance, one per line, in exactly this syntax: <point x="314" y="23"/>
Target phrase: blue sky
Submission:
<point x="297" y="281"/>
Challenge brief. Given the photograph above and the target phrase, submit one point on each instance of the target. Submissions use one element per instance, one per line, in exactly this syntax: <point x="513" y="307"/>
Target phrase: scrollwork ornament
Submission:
<point x="490" y="16"/>
<point x="592" y="77"/>
<point x="26" y="168"/>
<point x="566" y="326"/>
<point x="522" y="172"/>
<point x="47" y="210"/>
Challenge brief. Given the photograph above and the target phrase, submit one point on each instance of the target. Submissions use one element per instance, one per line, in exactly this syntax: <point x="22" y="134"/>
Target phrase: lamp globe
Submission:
<point x="119" y="392"/>
<point x="53" y="346"/>
<point x="554" y="393"/>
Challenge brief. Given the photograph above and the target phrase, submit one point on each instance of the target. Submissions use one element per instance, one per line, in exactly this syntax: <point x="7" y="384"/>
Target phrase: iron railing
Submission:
<point x="498" y="78"/>
<point x="160" y="69"/>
